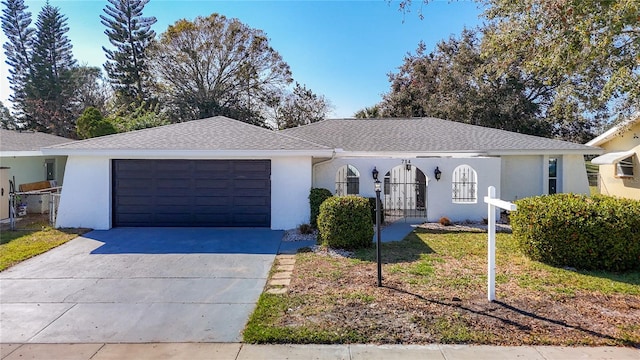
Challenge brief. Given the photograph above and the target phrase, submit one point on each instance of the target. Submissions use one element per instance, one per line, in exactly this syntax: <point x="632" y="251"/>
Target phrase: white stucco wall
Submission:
<point x="290" y="186"/>
<point x="525" y="176"/>
<point x="28" y="169"/>
<point x="439" y="194"/>
<point x="86" y="195"/>
<point x="574" y="175"/>
<point x="522" y="176"/>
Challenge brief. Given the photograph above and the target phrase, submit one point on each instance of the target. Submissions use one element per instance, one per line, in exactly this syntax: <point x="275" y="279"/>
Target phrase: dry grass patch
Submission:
<point x="435" y="292"/>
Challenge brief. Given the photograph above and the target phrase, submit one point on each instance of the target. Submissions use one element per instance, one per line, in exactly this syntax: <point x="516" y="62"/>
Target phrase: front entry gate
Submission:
<point x="405" y="193"/>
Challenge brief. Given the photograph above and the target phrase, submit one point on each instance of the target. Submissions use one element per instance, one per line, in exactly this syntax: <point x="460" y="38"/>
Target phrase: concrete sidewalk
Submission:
<point x="237" y="351"/>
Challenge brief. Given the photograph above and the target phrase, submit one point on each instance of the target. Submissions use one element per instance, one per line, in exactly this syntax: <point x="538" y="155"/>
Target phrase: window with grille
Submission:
<point x="464" y="185"/>
<point x="347" y="180"/>
<point x="624" y="168"/>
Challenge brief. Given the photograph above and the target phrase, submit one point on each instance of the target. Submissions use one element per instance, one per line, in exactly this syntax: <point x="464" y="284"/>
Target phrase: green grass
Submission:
<point x="19" y="245"/>
<point x="443" y="265"/>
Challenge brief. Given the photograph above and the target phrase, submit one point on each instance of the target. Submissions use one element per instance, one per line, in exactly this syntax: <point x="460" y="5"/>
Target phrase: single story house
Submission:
<point x="23" y="162"/>
<point x="222" y="172"/>
<point x="619" y="166"/>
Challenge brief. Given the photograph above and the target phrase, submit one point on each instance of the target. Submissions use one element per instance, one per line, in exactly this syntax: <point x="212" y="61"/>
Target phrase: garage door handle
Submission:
<point x="2" y="192"/>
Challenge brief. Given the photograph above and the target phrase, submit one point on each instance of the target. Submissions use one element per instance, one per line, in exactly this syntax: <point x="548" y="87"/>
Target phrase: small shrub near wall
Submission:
<point x="345" y="223"/>
<point x="590" y="233"/>
<point x="316" y="197"/>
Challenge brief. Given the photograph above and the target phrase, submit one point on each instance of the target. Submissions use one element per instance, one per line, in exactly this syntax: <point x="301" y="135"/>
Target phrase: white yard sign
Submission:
<point x="492" y="204"/>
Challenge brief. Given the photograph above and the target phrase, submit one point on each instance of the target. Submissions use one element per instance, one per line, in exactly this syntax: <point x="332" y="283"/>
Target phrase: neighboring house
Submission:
<point x="222" y="172"/>
<point x="619" y="172"/>
<point x="20" y="153"/>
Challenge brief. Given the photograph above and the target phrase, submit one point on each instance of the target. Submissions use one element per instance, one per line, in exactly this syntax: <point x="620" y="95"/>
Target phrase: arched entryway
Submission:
<point x="405" y="193"/>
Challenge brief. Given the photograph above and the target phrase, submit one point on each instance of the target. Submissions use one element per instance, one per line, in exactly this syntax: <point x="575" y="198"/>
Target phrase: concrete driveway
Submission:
<point x="139" y="285"/>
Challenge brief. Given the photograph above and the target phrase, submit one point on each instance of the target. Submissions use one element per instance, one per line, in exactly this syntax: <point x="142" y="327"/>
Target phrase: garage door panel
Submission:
<point x="241" y="184"/>
<point x="252" y="166"/>
<point x="203" y="184"/>
<point x="216" y="201"/>
<point x="191" y="192"/>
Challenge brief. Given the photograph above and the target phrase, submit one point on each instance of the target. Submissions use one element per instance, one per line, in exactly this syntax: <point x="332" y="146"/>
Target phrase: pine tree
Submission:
<point x="51" y="88"/>
<point x="15" y="25"/>
<point x="130" y="33"/>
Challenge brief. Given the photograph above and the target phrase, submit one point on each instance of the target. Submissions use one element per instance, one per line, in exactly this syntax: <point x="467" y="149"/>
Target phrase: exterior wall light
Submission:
<point x="374" y="173"/>
<point x="437" y="173"/>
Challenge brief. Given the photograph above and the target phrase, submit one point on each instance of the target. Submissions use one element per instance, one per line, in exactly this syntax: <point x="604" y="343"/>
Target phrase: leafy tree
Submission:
<point x="371" y="112"/>
<point x="50" y="89"/>
<point x="130" y="33"/>
<point x="217" y="66"/>
<point x="91" y="89"/>
<point x="17" y="49"/>
<point x="7" y="121"/>
<point x="92" y="124"/>
<point x="452" y="82"/>
<point x="142" y="117"/>
<point x="588" y="48"/>
<point x="301" y="107"/>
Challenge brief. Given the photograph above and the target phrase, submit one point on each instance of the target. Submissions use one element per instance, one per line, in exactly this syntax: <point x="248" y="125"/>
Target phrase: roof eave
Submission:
<point x="147" y="153"/>
<point x="526" y="152"/>
<point x="409" y="154"/>
<point x="21" y="153"/>
<point x="611" y="133"/>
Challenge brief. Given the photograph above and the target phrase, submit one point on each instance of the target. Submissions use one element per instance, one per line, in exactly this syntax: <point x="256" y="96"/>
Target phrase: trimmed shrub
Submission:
<point x="372" y="205"/>
<point x="316" y="197"/>
<point x="597" y="233"/>
<point x="444" y="221"/>
<point x="345" y="223"/>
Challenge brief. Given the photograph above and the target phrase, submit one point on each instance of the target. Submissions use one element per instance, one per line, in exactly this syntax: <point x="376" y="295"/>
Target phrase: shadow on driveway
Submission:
<point x="187" y="240"/>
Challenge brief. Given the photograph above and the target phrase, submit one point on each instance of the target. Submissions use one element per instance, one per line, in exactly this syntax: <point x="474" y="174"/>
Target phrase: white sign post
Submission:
<point x="493" y="202"/>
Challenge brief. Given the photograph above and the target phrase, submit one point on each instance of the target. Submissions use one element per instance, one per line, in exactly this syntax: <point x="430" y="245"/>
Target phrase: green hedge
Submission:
<point x="590" y="233"/>
<point x="316" y="197"/>
<point x="372" y="205"/>
<point x="345" y="222"/>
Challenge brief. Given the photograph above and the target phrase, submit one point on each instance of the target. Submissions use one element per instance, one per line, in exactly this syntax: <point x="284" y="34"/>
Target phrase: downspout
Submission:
<point x="313" y="170"/>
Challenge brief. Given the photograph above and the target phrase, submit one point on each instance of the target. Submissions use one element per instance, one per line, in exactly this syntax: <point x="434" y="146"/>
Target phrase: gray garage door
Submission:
<point x="191" y="193"/>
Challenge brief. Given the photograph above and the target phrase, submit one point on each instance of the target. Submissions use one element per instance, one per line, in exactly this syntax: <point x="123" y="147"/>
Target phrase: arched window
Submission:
<point x="347" y="180"/>
<point x="464" y="185"/>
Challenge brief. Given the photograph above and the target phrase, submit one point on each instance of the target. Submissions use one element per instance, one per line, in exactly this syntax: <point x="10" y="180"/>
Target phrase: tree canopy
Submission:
<point x="453" y="82"/>
<point x="130" y="33"/>
<point x="217" y="66"/>
<point x="589" y="49"/>
<point x="301" y="107"/>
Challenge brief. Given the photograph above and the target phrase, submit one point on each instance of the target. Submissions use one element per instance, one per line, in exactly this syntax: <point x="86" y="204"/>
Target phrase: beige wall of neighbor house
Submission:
<point x="611" y="184"/>
<point x="29" y="169"/>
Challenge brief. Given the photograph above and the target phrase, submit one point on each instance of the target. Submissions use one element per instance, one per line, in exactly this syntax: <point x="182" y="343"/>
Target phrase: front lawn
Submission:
<point x="19" y="245"/>
<point x="435" y="292"/>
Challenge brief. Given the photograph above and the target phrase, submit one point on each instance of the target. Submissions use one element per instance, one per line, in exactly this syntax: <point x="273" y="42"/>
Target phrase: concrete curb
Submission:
<point x="239" y="351"/>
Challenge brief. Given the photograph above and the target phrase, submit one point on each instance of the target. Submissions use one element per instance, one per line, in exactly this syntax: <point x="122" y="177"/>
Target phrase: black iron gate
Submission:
<point x="405" y="193"/>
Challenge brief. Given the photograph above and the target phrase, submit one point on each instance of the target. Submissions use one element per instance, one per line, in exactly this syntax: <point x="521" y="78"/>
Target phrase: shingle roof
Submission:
<point x="424" y="135"/>
<point x="12" y="140"/>
<point x="216" y="133"/>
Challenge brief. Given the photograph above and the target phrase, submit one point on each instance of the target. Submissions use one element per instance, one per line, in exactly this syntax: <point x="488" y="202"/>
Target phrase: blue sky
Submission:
<point x="340" y="49"/>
